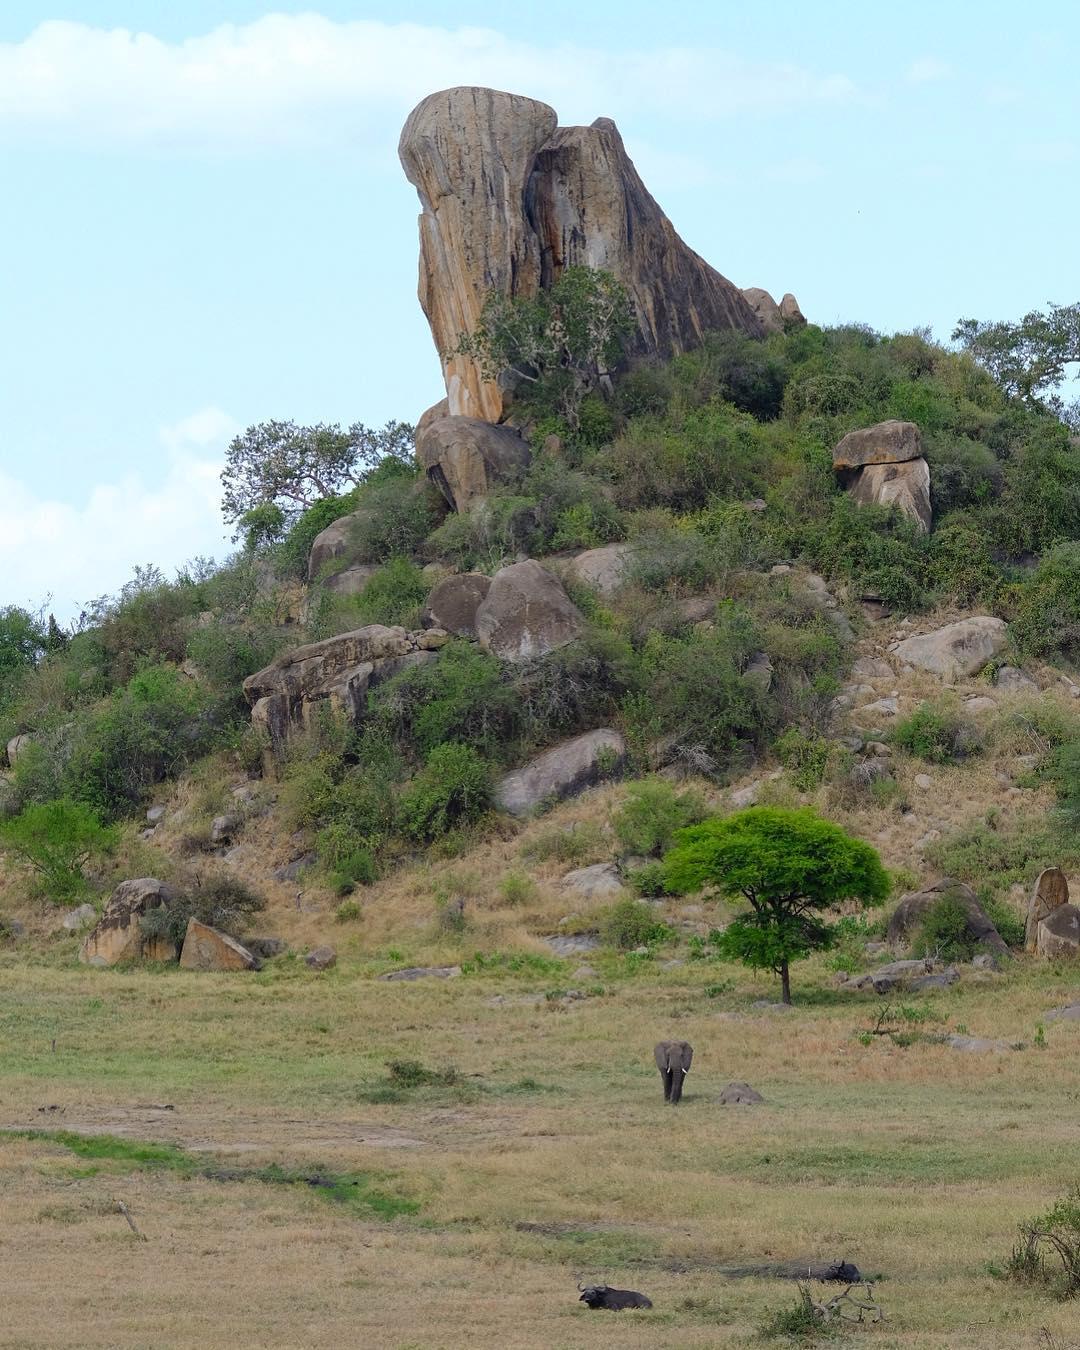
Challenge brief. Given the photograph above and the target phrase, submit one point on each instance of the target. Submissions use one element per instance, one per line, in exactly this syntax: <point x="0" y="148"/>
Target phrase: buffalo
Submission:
<point x="603" y="1296"/>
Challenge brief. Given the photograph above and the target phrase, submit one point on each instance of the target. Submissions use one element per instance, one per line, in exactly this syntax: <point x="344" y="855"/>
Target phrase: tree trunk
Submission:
<point x="785" y="983"/>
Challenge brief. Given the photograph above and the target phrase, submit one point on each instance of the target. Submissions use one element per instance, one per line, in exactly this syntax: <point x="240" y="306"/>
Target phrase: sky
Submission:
<point x="204" y="224"/>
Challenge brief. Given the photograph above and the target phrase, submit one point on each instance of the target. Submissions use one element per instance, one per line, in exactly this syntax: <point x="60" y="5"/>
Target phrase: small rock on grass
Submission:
<point x="976" y="1045"/>
<point x="423" y="972"/>
<point x="739" y="1094"/>
<point x="1070" y="1013"/>
<point x="321" y="958"/>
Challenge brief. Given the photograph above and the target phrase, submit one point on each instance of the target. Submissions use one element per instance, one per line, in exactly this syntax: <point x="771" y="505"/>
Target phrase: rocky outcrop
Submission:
<point x="890" y="442"/>
<point x="600" y="881"/>
<point x="959" y="649"/>
<point x="1051" y="892"/>
<point x="337" y="672"/>
<point x="561" y="772"/>
<point x="509" y="199"/>
<point x="118" y="934"/>
<point x="883" y="465"/>
<point x="331" y="544"/>
<point x="452" y="605"/>
<point x="913" y="907"/>
<point x="18" y="745"/>
<point x="526" y="613"/>
<point x="1058" y="936"/>
<point x="465" y="458"/>
<point x="905" y="486"/>
<point x="207" y="948"/>
<point x="774" y="318"/>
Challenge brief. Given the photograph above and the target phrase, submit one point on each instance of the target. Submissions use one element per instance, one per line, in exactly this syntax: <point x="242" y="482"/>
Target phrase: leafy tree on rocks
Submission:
<point x="790" y="867"/>
<point x="294" y="466"/>
<point x="557" y="346"/>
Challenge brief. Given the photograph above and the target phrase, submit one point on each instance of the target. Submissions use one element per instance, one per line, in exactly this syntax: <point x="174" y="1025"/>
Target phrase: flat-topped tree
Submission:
<point x="790" y="867"/>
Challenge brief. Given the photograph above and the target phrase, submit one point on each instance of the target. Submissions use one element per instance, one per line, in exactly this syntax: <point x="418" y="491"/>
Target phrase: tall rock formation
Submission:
<point x="510" y="199"/>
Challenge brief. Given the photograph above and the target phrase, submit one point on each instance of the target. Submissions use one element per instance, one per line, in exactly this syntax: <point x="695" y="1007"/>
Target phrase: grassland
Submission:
<point x="464" y="1209"/>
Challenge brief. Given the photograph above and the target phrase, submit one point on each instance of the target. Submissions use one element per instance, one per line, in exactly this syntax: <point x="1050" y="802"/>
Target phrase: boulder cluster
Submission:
<point x="883" y="465"/>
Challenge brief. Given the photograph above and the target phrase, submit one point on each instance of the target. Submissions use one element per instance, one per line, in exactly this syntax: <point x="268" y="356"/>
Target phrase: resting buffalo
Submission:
<point x="673" y="1060"/>
<point x="603" y="1296"/>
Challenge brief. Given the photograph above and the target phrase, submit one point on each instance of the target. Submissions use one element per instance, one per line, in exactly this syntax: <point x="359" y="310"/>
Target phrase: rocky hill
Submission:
<point x="757" y="560"/>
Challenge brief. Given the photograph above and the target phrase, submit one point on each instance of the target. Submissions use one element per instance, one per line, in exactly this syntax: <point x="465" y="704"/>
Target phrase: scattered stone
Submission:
<point x="155" y="815"/>
<point x="604" y="569"/>
<point x="1058" y="935"/>
<point x="293" y="870"/>
<point x="869" y="771"/>
<point x="147" y="834"/>
<point x="584" y="973"/>
<point x="979" y="704"/>
<point x="872" y="668"/>
<point x="779" y="570"/>
<point x="739" y="1094"/>
<point x="526" y="613"/>
<point x="959" y="649"/>
<point x="1014" y="681"/>
<point x="976" y="1045"/>
<point x="452" y="605"/>
<point x="222" y="828"/>
<point x="893" y="976"/>
<point x="759" y="672"/>
<point x="423" y="972"/>
<point x="912" y="907"/>
<point x="563" y="771"/>
<point x="985" y="961"/>
<point x="75" y="919"/>
<point x="321" y="958"/>
<point x="1050" y="893"/>
<point x="1070" y="1013"/>
<point x="264" y="947"/>
<point x="595" y="882"/>
<point x="923" y="782"/>
<point x="208" y="949"/>
<point x="572" y="944"/>
<point x="883" y="707"/>
<point x="118" y="934"/>
<point x="941" y="981"/>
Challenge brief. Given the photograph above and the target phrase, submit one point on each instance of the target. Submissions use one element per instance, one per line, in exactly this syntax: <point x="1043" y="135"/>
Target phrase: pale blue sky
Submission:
<point x="204" y="222"/>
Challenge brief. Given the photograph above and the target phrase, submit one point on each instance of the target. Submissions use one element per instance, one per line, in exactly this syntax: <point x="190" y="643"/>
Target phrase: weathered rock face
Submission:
<point x="905" y="486"/>
<point x="1051" y="892"/>
<point x="526" y="613"/>
<point x="339" y="671"/>
<point x="509" y="199"/>
<point x="331" y="544"/>
<point x="958" y="649"/>
<point x="890" y="442"/>
<point x="17" y="746"/>
<point x="790" y="311"/>
<point x="883" y="465"/>
<point x="911" y="909"/>
<point x="465" y="458"/>
<point x="765" y="307"/>
<point x="599" y="881"/>
<point x="118" y="936"/>
<point x="452" y="605"/>
<point x="563" y="771"/>
<point x="206" y="948"/>
<point x="1058" y="935"/>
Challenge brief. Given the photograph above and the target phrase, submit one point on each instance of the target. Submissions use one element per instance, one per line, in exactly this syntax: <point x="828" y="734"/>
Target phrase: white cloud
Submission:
<point x="74" y="552"/>
<point x="926" y="69"/>
<point x="302" y="80"/>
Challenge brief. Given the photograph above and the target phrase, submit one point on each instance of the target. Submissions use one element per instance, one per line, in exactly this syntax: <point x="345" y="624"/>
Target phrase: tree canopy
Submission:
<point x="789" y="866"/>
<point x="292" y="466"/>
<point x="1028" y="358"/>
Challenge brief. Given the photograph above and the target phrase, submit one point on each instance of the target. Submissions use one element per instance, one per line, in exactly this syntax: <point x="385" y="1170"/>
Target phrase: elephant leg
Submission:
<point x="677" y="1077"/>
<point x="666" y="1075"/>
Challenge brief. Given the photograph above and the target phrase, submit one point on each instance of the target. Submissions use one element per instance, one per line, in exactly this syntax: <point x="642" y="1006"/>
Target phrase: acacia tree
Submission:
<point x="1028" y="359"/>
<point x="293" y="467"/>
<point x="557" y="346"/>
<point x="790" y="867"/>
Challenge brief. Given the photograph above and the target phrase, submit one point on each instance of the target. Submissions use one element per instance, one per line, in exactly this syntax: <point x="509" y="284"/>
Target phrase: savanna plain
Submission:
<point x="331" y="1159"/>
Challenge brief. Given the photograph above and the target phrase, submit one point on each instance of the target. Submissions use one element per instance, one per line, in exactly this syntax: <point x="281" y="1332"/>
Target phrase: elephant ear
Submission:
<point x="687" y="1056"/>
<point x="660" y="1054"/>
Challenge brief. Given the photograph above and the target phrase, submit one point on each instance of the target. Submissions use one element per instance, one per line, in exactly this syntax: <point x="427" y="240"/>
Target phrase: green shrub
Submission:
<point x="291" y="556"/>
<point x="58" y="839"/>
<point x="805" y="756"/>
<point x="348" y="911"/>
<point x="651" y="812"/>
<point x="516" y="888"/>
<point x="393" y="518"/>
<point x="453" y="789"/>
<point x="938" y="734"/>
<point x="220" y="900"/>
<point x="648" y="880"/>
<point x="1047" y="617"/>
<point x="394" y="596"/>
<point x="944" y="933"/>
<point x="578" y="843"/>
<point x="1048" y="1249"/>
<point x="630" y="923"/>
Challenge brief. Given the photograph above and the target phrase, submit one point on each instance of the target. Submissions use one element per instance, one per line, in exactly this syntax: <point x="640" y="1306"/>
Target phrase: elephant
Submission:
<point x="673" y="1060"/>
